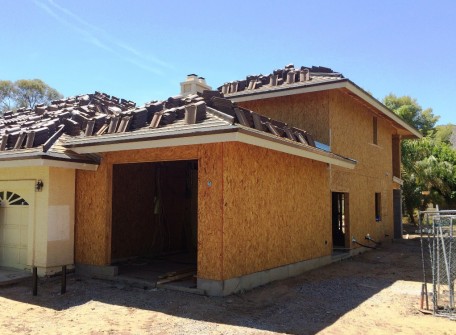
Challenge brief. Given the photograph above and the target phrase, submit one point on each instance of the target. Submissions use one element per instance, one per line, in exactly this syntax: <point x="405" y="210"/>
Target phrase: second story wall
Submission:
<point x="353" y="128"/>
<point x="309" y="112"/>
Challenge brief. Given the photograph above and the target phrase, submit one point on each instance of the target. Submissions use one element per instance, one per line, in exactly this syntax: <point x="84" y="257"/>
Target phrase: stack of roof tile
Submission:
<point x="175" y="108"/>
<point x="259" y="122"/>
<point x="43" y="125"/>
<point x="99" y="114"/>
<point x="286" y="76"/>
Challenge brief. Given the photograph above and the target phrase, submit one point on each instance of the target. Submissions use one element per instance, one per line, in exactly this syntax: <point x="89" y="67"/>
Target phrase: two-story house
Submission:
<point x="341" y="115"/>
<point x="238" y="194"/>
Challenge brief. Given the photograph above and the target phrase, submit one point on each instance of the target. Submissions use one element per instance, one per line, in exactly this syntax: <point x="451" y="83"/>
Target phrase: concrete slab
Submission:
<point x="11" y="276"/>
<point x="176" y="287"/>
<point x="96" y="271"/>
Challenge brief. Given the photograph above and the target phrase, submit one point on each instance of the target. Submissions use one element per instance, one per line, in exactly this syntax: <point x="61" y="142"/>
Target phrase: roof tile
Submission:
<point x="93" y="118"/>
<point x="289" y="76"/>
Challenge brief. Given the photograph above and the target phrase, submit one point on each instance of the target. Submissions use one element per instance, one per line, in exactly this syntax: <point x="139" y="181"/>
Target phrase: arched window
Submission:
<point x="8" y="198"/>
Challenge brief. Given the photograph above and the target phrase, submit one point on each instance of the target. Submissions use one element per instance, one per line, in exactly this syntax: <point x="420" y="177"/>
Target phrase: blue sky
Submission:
<point x="141" y="50"/>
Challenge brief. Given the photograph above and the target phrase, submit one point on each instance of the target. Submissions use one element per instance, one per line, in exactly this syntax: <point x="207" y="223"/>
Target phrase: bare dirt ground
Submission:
<point x="374" y="293"/>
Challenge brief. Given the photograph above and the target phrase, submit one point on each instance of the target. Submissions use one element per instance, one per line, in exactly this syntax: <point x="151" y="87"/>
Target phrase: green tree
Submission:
<point x="25" y="93"/>
<point x="29" y="93"/>
<point x="6" y="95"/>
<point x="409" y="110"/>
<point x="445" y="133"/>
<point x="429" y="164"/>
<point x="429" y="174"/>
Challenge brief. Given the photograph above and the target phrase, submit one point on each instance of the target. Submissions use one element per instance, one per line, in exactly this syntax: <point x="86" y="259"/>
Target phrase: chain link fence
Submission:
<point x="438" y="248"/>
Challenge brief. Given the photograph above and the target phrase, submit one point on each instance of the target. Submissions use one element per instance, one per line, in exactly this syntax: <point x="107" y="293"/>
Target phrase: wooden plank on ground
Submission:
<point x="176" y="277"/>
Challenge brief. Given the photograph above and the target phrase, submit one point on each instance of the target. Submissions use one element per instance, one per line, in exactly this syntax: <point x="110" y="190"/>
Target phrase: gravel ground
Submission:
<point x="374" y="293"/>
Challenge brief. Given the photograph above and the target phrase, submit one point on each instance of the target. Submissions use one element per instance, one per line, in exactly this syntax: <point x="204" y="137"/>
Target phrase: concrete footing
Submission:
<point x="232" y="285"/>
<point x="250" y="281"/>
<point x="11" y="276"/>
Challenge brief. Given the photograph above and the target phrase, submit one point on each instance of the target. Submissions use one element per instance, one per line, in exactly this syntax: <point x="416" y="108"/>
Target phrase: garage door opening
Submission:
<point x="154" y="221"/>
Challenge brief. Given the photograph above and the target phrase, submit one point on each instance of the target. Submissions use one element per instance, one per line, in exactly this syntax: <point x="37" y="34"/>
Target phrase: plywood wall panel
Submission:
<point x="275" y="205"/>
<point x="352" y="136"/>
<point x="94" y="204"/>
<point x="210" y="211"/>
<point x="91" y="226"/>
<point x="309" y="112"/>
<point x="187" y="152"/>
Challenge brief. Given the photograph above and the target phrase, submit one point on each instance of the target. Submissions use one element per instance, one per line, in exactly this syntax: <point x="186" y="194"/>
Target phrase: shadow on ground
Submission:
<point x="300" y="305"/>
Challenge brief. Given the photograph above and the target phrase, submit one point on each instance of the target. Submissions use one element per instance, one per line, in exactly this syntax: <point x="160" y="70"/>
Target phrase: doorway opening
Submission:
<point x="340" y="220"/>
<point x="154" y="221"/>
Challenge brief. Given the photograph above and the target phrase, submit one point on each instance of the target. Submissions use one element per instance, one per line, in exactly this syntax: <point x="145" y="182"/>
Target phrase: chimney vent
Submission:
<point x="193" y="85"/>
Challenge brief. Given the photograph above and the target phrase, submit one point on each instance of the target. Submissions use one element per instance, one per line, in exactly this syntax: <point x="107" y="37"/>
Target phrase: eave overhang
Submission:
<point x="230" y="133"/>
<point x="404" y="129"/>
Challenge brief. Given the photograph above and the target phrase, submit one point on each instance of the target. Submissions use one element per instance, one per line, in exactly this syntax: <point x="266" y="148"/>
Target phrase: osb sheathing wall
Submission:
<point x="257" y="208"/>
<point x="335" y="118"/>
<point x="275" y="209"/>
<point x="309" y="112"/>
<point x="351" y="126"/>
<point x="94" y="204"/>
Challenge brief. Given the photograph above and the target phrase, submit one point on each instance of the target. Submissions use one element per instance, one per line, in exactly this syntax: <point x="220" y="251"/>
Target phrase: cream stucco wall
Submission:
<point x="51" y="237"/>
<point x="60" y="226"/>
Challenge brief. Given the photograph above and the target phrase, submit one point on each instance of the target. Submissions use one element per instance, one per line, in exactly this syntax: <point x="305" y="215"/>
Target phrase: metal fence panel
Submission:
<point x="437" y="230"/>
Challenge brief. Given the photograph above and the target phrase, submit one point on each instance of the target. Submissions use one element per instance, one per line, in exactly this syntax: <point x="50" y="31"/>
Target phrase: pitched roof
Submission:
<point x="291" y="80"/>
<point x="69" y="129"/>
<point x="281" y="79"/>
<point x="35" y="133"/>
<point x="212" y="110"/>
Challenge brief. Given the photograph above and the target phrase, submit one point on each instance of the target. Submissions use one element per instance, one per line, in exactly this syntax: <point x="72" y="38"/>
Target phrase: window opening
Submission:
<point x="11" y="199"/>
<point x="375" y="130"/>
<point x="378" y="206"/>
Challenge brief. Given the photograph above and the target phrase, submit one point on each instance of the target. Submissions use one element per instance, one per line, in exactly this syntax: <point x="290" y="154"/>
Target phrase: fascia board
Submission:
<point x="238" y="136"/>
<point x="352" y="87"/>
<point x="154" y="143"/>
<point x="252" y="95"/>
<point x="297" y="150"/>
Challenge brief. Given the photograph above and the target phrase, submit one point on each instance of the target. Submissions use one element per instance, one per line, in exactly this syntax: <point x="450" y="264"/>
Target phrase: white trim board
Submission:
<point x="48" y="162"/>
